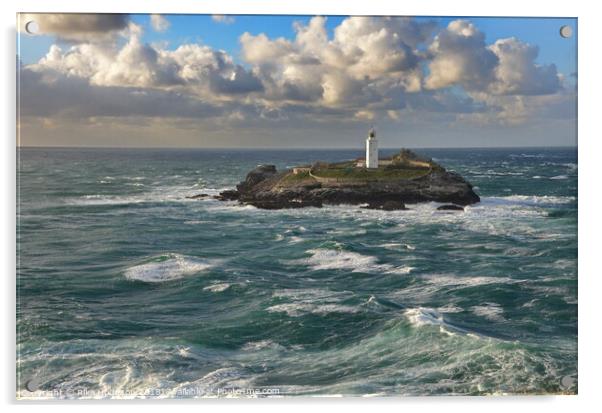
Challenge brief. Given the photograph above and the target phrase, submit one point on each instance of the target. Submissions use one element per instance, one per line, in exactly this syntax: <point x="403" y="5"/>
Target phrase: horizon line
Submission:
<point x="291" y="148"/>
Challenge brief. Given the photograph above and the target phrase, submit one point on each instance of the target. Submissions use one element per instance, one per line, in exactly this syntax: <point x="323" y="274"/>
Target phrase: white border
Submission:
<point x="589" y="199"/>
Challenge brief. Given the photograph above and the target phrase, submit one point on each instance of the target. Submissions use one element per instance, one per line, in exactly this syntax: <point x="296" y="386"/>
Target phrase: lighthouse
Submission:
<point x="371" y="150"/>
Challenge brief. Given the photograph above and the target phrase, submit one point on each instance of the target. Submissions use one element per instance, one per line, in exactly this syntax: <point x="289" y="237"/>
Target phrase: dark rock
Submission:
<point x="198" y="196"/>
<point x="228" y="195"/>
<point x="285" y="204"/>
<point x="450" y="207"/>
<point x="257" y="175"/>
<point x="386" y="206"/>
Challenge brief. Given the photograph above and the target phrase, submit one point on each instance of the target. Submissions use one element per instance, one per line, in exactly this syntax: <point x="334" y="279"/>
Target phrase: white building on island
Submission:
<point x="371" y="150"/>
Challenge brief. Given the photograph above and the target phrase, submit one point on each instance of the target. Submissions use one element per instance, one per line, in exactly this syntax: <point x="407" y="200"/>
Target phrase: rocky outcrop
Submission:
<point x="198" y="196"/>
<point x="228" y="195"/>
<point x="450" y="207"/>
<point x="265" y="187"/>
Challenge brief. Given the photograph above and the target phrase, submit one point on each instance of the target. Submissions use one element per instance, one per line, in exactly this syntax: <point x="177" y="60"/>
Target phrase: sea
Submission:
<point x="127" y="289"/>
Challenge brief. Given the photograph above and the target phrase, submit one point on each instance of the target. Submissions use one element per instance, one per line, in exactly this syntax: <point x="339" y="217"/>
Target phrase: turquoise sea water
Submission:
<point x="128" y="289"/>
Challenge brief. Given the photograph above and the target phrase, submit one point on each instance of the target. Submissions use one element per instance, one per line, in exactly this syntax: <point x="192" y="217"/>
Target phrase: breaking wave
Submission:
<point x="166" y="267"/>
<point x="329" y="259"/>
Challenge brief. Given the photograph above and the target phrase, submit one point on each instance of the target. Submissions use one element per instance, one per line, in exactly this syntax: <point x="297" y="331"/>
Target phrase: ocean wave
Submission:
<point x="299" y="309"/>
<point x="197" y="222"/>
<point x="215" y="384"/>
<point x="262" y="345"/>
<point x="557" y="177"/>
<point x="159" y="194"/>
<point x="527" y="155"/>
<point x="328" y="259"/>
<point x="300" y="302"/>
<point x="528" y="200"/>
<point x="166" y="267"/>
<point x="419" y="317"/>
<point x="397" y="245"/>
<point x="217" y="288"/>
<point x="450" y="280"/>
<point x="432" y="287"/>
<point x="490" y="311"/>
<point x="331" y="259"/>
<point x="423" y="316"/>
<point x="491" y="172"/>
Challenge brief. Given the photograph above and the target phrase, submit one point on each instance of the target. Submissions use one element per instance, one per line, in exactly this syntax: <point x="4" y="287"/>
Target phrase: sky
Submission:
<point x="115" y="80"/>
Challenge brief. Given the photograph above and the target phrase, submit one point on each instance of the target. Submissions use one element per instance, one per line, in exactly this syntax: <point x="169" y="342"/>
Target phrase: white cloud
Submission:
<point x="222" y="18"/>
<point x="159" y="23"/>
<point x="517" y="72"/>
<point x="368" y="60"/>
<point x="371" y="69"/>
<point x="460" y="57"/>
<point x="192" y="69"/>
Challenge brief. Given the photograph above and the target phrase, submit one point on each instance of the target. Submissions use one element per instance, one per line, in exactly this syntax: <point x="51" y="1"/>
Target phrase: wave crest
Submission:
<point x="166" y="267"/>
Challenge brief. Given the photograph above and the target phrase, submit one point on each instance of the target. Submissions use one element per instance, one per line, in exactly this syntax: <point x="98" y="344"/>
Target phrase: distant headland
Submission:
<point x="387" y="184"/>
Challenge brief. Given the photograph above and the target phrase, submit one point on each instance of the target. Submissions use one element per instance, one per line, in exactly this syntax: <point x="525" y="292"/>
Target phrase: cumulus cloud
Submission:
<point x="460" y="57"/>
<point x="159" y="23"/>
<point x="367" y="60"/>
<point x="369" y="69"/>
<point x="77" y="27"/>
<point x="50" y="95"/>
<point x="195" y="69"/>
<point x="518" y="74"/>
<point x="222" y="18"/>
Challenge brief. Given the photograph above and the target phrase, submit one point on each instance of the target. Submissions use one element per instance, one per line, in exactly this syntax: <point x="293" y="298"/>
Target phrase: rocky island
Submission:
<point x="405" y="178"/>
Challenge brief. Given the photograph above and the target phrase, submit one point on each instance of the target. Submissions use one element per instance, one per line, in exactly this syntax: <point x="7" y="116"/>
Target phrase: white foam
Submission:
<point x="315" y="301"/>
<point x="560" y="177"/>
<point x="400" y="270"/>
<point x="450" y="308"/>
<point x="159" y="193"/>
<point x="330" y="259"/>
<point x="299" y="309"/>
<point x="197" y="222"/>
<point x="327" y="259"/>
<point x="217" y="288"/>
<point x="166" y="268"/>
<point x="529" y="199"/>
<point x="490" y="311"/>
<point x="262" y="345"/>
<point x="423" y="316"/>
<point x="397" y="245"/>
<point x="445" y="280"/>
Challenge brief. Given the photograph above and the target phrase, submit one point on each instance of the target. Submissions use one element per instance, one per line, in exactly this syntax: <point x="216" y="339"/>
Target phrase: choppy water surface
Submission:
<point x="127" y="289"/>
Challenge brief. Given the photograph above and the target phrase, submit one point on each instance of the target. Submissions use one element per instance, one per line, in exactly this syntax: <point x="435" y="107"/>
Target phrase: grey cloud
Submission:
<point x="239" y="82"/>
<point x="367" y="58"/>
<point x="517" y="72"/>
<point x="77" y="27"/>
<point x="372" y="67"/>
<point x="56" y="95"/>
<point x="459" y="56"/>
<point x="191" y="69"/>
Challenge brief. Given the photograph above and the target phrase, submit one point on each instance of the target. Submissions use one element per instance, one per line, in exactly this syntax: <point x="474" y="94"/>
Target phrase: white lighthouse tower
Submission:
<point x="371" y="150"/>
